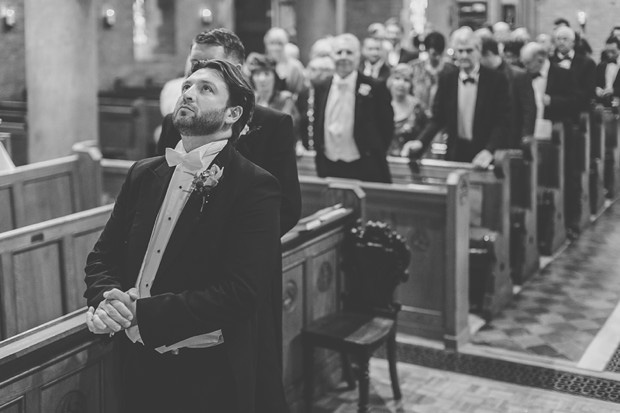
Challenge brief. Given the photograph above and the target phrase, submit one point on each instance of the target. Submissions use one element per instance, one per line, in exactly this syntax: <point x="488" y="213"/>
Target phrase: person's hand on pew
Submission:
<point x="411" y="148"/>
<point x="483" y="160"/>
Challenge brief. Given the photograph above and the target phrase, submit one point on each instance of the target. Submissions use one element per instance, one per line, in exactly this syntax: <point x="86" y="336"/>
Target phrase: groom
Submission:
<point x="183" y="269"/>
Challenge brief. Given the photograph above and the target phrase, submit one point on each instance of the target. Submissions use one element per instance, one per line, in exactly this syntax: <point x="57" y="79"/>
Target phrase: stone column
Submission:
<point x="61" y="75"/>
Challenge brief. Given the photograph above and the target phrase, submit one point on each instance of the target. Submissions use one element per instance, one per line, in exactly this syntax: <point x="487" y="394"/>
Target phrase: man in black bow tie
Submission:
<point x="184" y="267"/>
<point x="268" y="141"/>
<point x="581" y="67"/>
<point x="471" y="104"/>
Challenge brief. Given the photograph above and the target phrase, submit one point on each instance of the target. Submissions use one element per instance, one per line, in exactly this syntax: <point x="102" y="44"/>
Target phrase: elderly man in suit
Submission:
<point x="557" y="100"/>
<point x="523" y="104"/>
<point x="183" y="269"/>
<point x="471" y="104"/>
<point x="268" y="141"/>
<point x="353" y="119"/>
<point x="581" y="66"/>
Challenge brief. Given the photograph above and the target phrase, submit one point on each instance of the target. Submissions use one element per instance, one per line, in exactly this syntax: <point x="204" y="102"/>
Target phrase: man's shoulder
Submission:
<point x="251" y="175"/>
<point x="264" y="114"/>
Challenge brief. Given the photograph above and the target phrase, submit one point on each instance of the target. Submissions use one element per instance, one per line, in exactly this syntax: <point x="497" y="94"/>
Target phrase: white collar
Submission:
<point x="350" y="80"/>
<point x="205" y="151"/>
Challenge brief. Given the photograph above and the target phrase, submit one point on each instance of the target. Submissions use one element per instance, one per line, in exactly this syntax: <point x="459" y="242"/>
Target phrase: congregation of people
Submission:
<point x="424" y="95"/>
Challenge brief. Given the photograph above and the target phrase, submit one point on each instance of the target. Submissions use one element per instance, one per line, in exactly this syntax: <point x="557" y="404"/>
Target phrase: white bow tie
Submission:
<point x="191" y="161"/>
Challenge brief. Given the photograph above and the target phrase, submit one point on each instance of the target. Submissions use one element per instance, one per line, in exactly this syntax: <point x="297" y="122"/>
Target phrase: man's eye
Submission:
<point x="206" y="88"/>
<point x="185" y="87"/>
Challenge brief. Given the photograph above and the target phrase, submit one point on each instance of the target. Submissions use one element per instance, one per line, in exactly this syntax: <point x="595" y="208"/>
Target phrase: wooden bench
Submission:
<point x="597" y="162"/>
<point x="43" y="269"/>
<point x="577" y="146"/>
<point x="37" y="192"/>
<point x="61" y="362"/>
<point x="435" y="221"/>
<point x="550" y="191"/>
<point x="17" y="141"/>
<point x="609" y="127"/>
<point x="13" y="111"/>
<point x="123" y="130"/>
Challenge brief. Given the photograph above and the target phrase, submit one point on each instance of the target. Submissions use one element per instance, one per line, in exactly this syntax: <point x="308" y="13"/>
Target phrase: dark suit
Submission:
<point x="562" y="90"/>
<point x="384" y="71"/>
<point x="523" y="104"/>
<point x="216" y="273"/>
<point x="600" y="81"/>
<point x="373" y="128"/>
<point x="583" y="70"/>
<point x="407" y="56"/>
<point x="270" y="144"/>
<point x="491" y="115"/>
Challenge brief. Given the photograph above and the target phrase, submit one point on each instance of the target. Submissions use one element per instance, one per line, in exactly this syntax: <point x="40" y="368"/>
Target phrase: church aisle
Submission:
<point x="427" y="390"/>
<point x="561" y="310"/>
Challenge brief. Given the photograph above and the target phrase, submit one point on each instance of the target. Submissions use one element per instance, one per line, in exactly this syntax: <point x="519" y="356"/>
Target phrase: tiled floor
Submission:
<point x="427" y="390"/>
<point x="559" y="311"/>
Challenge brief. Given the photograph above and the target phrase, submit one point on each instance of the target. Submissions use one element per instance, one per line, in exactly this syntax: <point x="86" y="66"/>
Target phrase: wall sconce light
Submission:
<point x="582" y="18"/>
<point x="8" y="16"/>
<point x="206" y="16"/>
<point x="109" y="18"/>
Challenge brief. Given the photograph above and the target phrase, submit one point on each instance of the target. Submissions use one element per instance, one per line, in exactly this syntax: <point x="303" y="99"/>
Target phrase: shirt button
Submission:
<point x="147" y="285"/>
<point x="169" y="218"/>
<point x="158" y="251"/>
<point x="180" y="186"/>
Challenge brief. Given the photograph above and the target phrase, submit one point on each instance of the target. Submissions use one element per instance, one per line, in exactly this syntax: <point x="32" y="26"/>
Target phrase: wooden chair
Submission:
<point x="375" y="261"/>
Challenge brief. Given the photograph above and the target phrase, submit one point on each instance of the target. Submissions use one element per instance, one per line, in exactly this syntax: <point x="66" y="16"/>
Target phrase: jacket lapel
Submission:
<point x="480" y="99"/>
<point x="358" y="109"/>
<point x="191" y="214"/>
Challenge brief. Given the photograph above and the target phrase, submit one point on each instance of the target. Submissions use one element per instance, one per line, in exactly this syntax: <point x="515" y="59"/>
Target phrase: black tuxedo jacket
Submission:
<point x="217" y="272"/>
<point x="270" y="144"/>
<point x="583" y="70"/>
<point x="562" y="90"/>
<point x="491" y="115"/>
<point x="600" y="78"/>
<point x="523" y="104"/>
<point x="384" y="71"/>
<point x="373" y="126"/>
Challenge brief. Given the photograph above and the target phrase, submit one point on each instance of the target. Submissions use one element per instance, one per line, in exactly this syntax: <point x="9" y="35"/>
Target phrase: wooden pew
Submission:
<point x="13" y="111"/>
<point x="550" y="191"/>
<point x="42" y="269"/>
<point x="59" y="367"/>
<point x="577" y="146"/>
<point x="597" y="163"/>
<point x="124" y="131"/>
<point x="609" y="127"/>
<point x="18" y="141"/>
<point x="32" y="363"/>
<point x="524" y="255"/>
<point x="489" y="239"/>
<point x="435" y="221"/>
<point x="45" y="190"/>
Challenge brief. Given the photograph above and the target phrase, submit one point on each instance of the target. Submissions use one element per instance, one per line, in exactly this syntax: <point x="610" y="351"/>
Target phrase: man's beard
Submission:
<point x="199" y="125"/>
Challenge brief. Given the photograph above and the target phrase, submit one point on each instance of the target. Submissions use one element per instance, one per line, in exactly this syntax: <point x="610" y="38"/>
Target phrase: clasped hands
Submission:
<point x="115" y="313"/>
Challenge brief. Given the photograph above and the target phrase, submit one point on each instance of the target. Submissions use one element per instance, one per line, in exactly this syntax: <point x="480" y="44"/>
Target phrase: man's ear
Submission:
<point x="233" y="114"/>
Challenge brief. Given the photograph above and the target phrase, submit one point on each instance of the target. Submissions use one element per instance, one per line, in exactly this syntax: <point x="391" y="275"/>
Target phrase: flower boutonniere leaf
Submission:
<point x="364" y="89"/>
<point x="204" y="183"/>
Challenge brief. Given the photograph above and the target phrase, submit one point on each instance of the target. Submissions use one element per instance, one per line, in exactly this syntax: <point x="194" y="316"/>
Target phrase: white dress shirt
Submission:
<point x="176" y="197"/>
<point x="611" y="71"/>
<point x="340" y="118"/>
<point x="540" y="89"/>
<point x="467" y="96"/>
<point x="566" y="60"/>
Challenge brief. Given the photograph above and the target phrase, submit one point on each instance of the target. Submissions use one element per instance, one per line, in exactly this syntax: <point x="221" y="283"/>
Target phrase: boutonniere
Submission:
<point x="246" y="130"/>
<point x="204" y="182"/>
<point x="364" y="89"/>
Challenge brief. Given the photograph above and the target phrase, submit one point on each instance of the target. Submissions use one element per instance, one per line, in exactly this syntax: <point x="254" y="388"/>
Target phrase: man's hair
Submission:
<point x="435" y="40"/>
<point x="561" y="21"/>
<point x="465" y="33"/>
<point x="393" y="21"/>
<point x="239" y="91"/>
<point x="489" y="45"/>
<point x="513" y="47"/>
<point x="532" y="49"/>
<point x="370" y="39"/>
<point x="230" y="42"/>
<point x="613" y="40"/>
<point x="565" y="30"/>
<point x="348" y="37"/>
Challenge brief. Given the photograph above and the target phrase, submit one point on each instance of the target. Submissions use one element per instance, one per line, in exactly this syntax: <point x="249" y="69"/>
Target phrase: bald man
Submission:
<point x="472" y="105"/>
<point x="353" y="119"/>
<point x="581" y="67"/>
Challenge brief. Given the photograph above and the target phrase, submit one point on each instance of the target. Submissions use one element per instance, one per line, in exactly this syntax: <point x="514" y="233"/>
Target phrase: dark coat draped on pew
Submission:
<point x="270" y="144"/>
<point x="583" y="70"/>
<point x="491" y="115"/>
<point x="373" y="127"/>
<point x="216" y="273"/>
<point x="523" y="103"/>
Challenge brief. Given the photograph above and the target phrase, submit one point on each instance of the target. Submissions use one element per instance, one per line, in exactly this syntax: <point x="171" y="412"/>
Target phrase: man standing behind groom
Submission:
<point x="184" y="267"/>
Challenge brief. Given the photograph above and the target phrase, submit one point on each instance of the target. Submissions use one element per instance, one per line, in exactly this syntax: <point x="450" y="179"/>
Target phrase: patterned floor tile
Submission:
<point x="568" y="302"/>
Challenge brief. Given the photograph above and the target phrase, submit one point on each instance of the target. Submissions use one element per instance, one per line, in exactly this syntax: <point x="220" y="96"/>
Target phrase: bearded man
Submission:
<point x="183" y="270"/>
